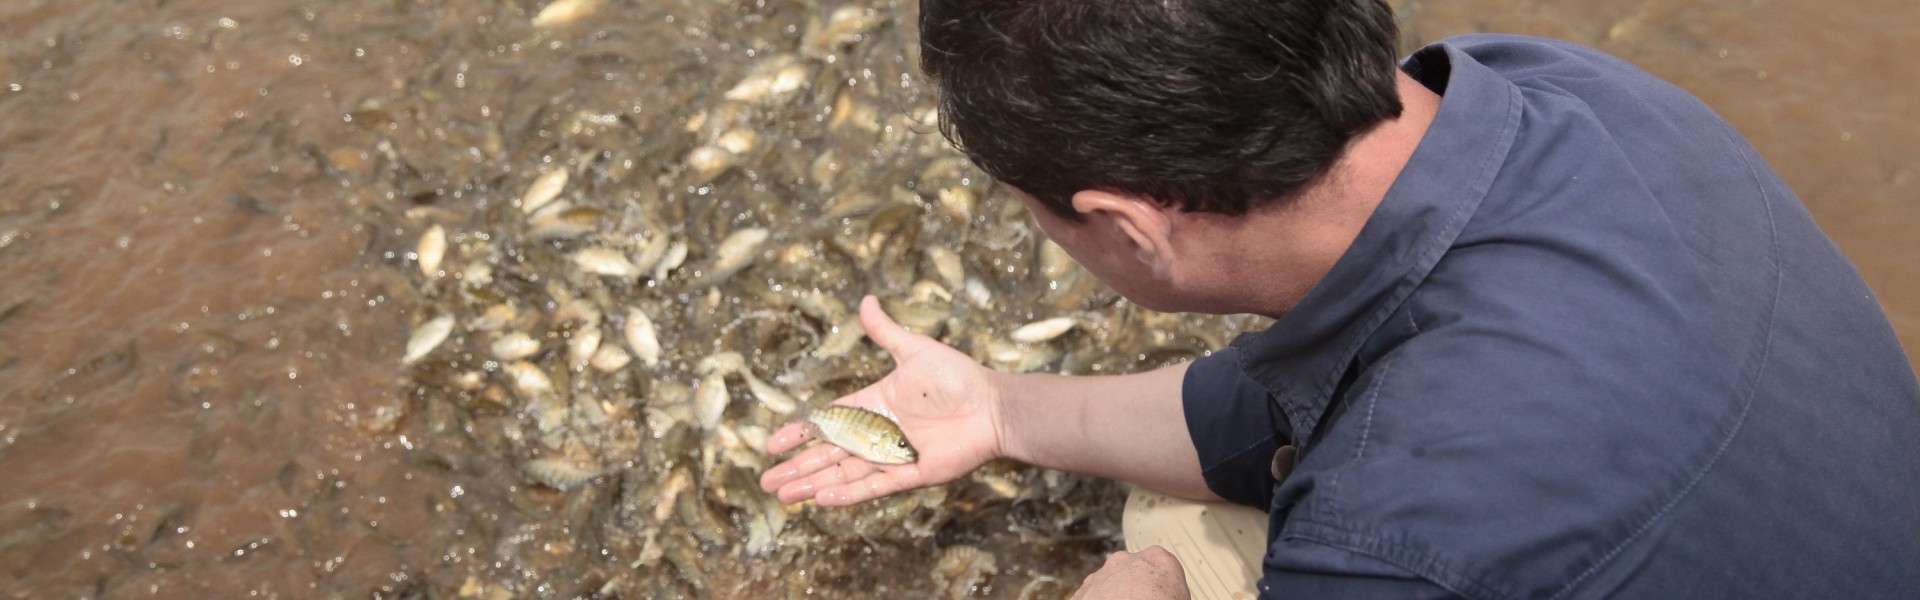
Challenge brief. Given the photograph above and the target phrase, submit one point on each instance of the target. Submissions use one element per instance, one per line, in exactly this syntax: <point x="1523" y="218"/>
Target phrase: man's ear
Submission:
<point x="1141" y="221"/>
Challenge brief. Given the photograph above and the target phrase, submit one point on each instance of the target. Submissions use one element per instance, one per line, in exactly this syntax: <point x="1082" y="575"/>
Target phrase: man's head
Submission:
<point x="1198" y="105"/>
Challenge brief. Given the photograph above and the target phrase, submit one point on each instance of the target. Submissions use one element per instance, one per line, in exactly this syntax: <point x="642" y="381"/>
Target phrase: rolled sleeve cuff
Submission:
<point x="1234" y="427"/>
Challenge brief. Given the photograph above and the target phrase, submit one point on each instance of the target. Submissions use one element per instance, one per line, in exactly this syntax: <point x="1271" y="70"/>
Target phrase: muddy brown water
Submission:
<point x="205" y="227"/>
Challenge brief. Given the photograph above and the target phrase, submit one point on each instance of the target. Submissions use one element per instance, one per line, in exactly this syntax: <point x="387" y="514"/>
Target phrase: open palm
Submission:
<point x="944" y="401"/>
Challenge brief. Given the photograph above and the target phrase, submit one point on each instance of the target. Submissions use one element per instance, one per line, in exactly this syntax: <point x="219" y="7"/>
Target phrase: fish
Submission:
<point x="426" y="337"/>
<point x="604" y="261"/>
<point x="528" y="380"/>
<point x="736" y="252"/>
<point x="710" y="400"/>
<point x="543" y="190"/>
<point x="864" y="433"/>
<point x="962" y="570"/>
<point x="642" y="337"/>
<point x="676" y="254"/>
<point x="582" y="345"/>
<point x="1040" y="331"/>
<point x="774" y="81"/>
<point x="563" y="12"/>
<point x="845" y="26"/>
<point x="774" y="398"/>
<point x="560" y="473"/>
<point x="946" y="264"/>
<point x="709" y="161"/>
<point x="609" y="358"/>
<point x="432" y="249"/>
<point x="515" y="346"/>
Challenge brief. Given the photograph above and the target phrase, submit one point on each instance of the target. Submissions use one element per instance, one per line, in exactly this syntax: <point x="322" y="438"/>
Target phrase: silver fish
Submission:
<point x="564" y="12"/>
<point x="543" y="190"/>
<point x="560" y="473"/>
<point x="774" y="398"/>
<point x="426" y="337"/>
<point x="515" y="346"/>
<point x="642" y="337"/>
<point x="605" y="261"/>
<point x="710" y="400"/>
<point x="1040" y="331"/>
<point x="431" y="250"/>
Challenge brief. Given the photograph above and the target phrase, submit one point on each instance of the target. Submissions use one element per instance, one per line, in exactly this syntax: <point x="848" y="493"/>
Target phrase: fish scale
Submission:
<point x="864" y="433"/>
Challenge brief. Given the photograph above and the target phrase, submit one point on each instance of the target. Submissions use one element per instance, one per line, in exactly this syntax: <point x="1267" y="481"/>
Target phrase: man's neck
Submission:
<point x="1272" y="256"/>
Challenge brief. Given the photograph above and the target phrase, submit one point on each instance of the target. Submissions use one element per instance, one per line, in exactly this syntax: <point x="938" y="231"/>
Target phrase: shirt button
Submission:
<point x="1283" y="463"/>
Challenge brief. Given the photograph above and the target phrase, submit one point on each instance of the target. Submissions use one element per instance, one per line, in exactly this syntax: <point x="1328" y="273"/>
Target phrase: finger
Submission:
<point x="1161" y="556"/>
<point x="880" y="327"/>
<point x="805" y="464"/>
<point x="835" y="475"/>
<point x="789" y="437"/>
<point x="879" y="484"/>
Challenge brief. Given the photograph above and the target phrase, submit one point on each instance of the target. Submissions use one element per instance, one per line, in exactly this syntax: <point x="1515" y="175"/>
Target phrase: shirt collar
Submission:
<point x="1300" y="359"/>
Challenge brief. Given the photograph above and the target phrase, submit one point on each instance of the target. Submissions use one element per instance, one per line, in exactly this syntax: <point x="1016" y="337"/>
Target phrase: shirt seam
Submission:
<point x="1411" y="279"/>
<point x="1404" y="554"/>
<point x="1491" y="165"/>
<point x="1236" y="454"/>
<point x="1746" y="405"/>
<point x="1331" y="505"/>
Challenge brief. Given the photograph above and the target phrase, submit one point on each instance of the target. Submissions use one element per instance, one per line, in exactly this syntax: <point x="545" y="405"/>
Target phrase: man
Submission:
<point x="1547" y="327"/>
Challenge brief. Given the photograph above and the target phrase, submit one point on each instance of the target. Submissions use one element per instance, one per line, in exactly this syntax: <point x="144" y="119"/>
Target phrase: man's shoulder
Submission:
<point x="1509" y="52"/>
<point x="1562" y="68"/>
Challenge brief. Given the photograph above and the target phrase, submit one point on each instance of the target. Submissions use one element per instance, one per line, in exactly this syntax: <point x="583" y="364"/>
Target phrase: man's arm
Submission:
<point x="959" y="414"/>
<point x="1127" y="427"/>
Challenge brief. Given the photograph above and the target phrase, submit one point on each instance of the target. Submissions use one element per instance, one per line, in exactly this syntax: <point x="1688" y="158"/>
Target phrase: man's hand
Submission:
<point x="947" y="404"/>
<point x="1150" y="574"/>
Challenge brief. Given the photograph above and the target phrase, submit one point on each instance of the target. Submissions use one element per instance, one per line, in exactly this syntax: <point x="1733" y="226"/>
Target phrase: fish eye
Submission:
<point x="900" y="444"/>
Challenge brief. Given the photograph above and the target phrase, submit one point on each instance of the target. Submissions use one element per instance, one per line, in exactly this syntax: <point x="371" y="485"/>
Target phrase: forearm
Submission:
<point x="1127" y="427"/>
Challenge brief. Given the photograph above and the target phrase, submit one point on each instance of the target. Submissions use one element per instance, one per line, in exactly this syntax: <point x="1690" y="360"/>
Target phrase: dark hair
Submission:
<point x="1203" y="105"/>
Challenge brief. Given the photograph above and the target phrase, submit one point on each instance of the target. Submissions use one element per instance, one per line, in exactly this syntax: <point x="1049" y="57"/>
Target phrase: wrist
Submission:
<point x="1003" y="414"/>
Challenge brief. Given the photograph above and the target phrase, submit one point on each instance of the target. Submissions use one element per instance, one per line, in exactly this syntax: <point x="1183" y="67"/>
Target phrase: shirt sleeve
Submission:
<point x="1235" y="428"/>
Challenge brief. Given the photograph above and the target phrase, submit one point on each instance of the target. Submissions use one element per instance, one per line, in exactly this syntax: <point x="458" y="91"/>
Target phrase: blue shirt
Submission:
<point x="1589" y="345"/>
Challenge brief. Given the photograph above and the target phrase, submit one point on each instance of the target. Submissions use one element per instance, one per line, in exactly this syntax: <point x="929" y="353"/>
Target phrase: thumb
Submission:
<point x="881" y="328"/>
